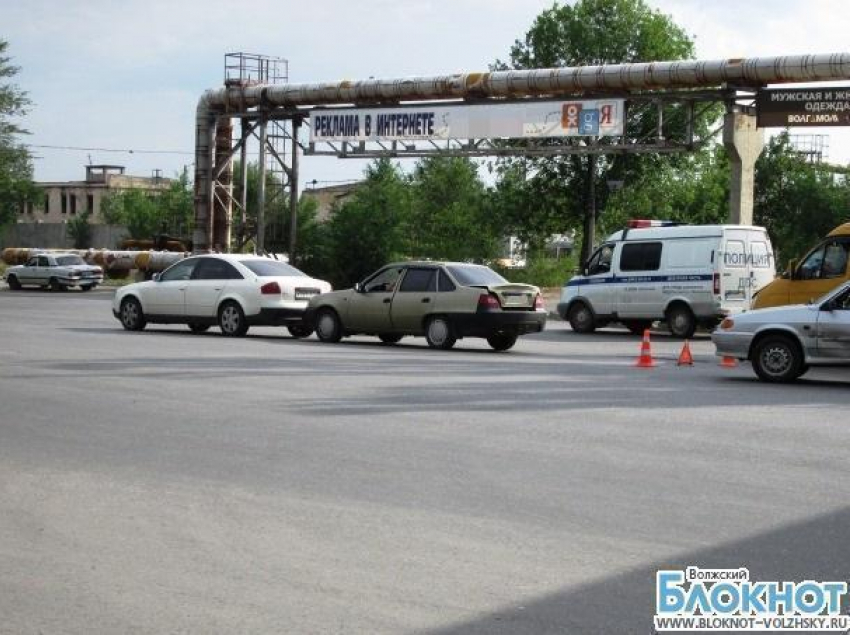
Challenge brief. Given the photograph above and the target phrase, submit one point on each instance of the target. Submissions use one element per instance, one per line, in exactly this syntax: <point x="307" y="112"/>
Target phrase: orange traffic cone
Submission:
<point x="645" y="359"/>
<point x="728" y="362"/>
<point x="685" y="357"/>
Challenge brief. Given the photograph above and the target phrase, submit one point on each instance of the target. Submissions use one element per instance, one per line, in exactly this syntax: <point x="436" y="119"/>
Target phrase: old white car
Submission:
<point x="783" y="342"/>
<point x="55" y="270"/>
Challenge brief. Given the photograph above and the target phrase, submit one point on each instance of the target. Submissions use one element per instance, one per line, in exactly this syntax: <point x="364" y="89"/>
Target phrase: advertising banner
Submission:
<point x="822" y="106"/>
<point x="574" y="118"/>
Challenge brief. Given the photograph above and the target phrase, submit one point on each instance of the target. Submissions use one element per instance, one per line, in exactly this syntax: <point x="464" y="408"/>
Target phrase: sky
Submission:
<point x="127" y="75"/>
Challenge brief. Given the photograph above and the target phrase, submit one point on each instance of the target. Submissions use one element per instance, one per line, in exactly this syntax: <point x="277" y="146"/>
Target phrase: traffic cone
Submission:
<point x="728" y="362"/>
<point x="685" y="357"/>
<point x="645" y="359"/>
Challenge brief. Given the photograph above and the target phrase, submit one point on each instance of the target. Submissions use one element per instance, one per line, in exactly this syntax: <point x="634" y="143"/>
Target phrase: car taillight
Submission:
<point x="270" y="288"/>
<point x="716" y="284"/>
<point x="488" y="302"/>
<point x="727" y="324"/>
<point x="538" y="303"/>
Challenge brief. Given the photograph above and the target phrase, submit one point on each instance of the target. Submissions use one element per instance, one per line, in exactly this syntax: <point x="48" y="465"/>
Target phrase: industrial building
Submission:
<point x="64" y="200"/>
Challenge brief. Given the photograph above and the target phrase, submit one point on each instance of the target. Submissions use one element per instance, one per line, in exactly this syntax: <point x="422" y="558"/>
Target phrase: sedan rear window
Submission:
<point x="475" y="275"/>
<point x="272" y="268"/>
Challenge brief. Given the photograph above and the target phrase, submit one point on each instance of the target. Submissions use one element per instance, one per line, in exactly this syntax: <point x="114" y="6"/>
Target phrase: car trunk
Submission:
<point x="515" y="296"/>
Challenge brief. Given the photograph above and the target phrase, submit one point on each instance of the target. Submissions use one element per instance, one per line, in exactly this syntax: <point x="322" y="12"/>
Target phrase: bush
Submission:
<point x="542" y="271"/>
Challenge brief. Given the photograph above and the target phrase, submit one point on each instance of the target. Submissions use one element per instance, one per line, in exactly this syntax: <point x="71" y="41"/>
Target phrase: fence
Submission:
<point x="56" y="236"/>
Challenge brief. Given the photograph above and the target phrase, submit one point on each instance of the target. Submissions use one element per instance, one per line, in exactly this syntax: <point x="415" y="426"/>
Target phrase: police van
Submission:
<point x="687" y="275"/>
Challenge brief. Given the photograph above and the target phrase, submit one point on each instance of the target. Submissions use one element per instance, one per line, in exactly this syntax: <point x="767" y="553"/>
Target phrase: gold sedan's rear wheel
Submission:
<point x="502" y="341"/>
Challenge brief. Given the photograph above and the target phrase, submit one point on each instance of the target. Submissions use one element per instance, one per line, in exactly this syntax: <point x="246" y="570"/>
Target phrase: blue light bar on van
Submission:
<point x="638" y="223"/>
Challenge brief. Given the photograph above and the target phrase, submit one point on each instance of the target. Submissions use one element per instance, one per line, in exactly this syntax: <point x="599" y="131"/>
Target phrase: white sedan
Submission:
<point x="230" y="290"/>
<point x="783" y="342"/>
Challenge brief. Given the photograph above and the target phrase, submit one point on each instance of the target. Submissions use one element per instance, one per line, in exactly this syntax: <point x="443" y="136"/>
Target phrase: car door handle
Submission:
<point x="426" y="300"/>
<point x="216" y="288"/>
<point x="387" y="300"/>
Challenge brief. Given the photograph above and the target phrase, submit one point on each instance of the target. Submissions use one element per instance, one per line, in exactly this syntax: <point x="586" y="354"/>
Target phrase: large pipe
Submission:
<point x="547" y="81"/>
<point x="755" y="71"/>
<point x="110" y="260"/>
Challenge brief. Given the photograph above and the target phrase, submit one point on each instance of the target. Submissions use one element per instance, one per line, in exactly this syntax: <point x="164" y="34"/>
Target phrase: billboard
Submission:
<point x="781" y="107"/>
<point x="575" y="118"/>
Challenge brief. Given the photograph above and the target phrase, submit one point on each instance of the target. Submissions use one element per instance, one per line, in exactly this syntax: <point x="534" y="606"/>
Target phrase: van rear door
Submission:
<point x="745" y="264"/>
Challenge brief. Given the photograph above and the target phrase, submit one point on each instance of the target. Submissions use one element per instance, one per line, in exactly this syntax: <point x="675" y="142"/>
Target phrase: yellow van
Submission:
<point x="822" y="269"/>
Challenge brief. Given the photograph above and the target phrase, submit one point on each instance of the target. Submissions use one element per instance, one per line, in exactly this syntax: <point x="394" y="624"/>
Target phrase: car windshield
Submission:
<point x="475" y="275"/>
<point x="263" y="267"/>
<point x="66" y="261"/>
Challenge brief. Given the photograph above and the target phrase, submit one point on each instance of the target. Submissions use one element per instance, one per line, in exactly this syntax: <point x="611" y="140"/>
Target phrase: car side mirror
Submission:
<point x="585" y="271"/>
<point x="155" y="277"/>
<point x="792" y="268"/>
<point x="358" y="288"/>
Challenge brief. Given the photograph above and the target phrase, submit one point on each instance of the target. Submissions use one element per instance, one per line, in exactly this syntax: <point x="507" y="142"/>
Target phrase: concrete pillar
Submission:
<point x="744" y="143"/>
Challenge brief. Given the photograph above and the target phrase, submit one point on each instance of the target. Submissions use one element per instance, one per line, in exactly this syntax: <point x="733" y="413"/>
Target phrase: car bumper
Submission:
<point x="486" y="324"/>
<point x="731" y="344"/>
<point x="78" y="281"/>
<point x="277" y="317"/>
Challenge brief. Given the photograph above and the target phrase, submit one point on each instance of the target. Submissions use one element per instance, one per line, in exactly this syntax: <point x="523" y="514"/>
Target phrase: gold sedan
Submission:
<point x="444" y="301"/>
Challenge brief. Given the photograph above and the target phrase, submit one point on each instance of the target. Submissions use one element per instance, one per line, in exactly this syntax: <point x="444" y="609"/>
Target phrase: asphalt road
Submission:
<point x="164" y="482"/>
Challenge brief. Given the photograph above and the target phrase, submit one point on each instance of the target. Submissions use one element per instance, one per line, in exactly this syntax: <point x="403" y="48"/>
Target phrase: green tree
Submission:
<point x="367" y="231"/>
<point x="567" y="190"/>
<point x="80" y="231"/>
<point x="798" y="202"/>
<point x="177" y="206"/>
<point x="450" y="217"/>
<point x="694" y="189"/>
<point x="147" y="213"/>
<point x="16" y="185"/>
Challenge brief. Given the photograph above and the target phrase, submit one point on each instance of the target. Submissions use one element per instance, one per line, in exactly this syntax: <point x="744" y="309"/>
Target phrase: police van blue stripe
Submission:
<point x="579" y="282"/>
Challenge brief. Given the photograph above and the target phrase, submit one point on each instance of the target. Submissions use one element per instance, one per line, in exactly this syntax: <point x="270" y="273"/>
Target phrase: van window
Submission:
<point x="640" y="257"/>
<point x="827" y="261"/>
<point x="600" y="262"/>
<point x="735" y="256"/>
<point x="760" y="255"/>
<point x="688" y="254"/>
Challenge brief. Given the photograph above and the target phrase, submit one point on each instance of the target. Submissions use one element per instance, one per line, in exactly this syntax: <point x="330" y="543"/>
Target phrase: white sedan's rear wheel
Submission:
<point x="231" y="320"/>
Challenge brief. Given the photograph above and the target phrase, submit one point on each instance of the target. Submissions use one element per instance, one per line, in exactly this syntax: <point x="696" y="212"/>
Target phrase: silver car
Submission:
<point x="55" y="270"/>
<point x="782" y="342"/>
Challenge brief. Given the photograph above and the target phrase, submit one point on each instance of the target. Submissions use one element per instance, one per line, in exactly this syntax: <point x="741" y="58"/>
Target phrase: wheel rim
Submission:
<point x="776" y="360"/>
<point x="130" y="313"/>
<point x="230" y="319"/>
<point x="582" y="316"/>
<point x="680" y="322"/>
<point x="438" y="332"/>
<point x="326" y="325"/>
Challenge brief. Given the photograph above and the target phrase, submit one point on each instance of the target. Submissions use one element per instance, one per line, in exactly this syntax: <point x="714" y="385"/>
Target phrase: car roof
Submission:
<point x="241" y="257"/>
<point x="433" y="263"/>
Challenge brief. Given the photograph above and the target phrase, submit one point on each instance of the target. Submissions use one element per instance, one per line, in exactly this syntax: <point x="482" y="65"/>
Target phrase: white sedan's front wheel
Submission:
<point x="131" y="314"/>
<point x="778" y="359"/>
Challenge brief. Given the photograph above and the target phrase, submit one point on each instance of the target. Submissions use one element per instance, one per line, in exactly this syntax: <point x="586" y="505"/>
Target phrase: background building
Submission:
<point x="66" y="199"/>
